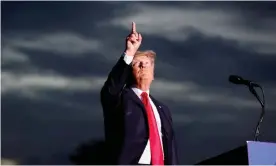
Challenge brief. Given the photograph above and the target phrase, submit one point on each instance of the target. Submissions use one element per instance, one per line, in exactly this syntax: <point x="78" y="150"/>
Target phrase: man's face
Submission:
<point x="143" y="68"/>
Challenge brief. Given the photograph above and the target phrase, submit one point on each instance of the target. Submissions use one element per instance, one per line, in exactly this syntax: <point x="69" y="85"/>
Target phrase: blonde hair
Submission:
<point x="148" y="53"/>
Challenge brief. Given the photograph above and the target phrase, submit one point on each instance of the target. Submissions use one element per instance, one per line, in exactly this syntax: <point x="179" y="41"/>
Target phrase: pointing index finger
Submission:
<point x="133" y="27"/>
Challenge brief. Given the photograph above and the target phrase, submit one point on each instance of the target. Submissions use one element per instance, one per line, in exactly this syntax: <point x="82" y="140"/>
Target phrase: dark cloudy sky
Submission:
<point x="56" y="56"/>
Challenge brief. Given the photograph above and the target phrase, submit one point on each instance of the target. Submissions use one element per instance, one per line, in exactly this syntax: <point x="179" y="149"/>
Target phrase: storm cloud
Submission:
<point x="57" y="55"/>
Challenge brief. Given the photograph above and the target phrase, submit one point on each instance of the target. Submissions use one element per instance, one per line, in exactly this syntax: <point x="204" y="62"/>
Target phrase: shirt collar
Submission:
<point x="138" y="92"/>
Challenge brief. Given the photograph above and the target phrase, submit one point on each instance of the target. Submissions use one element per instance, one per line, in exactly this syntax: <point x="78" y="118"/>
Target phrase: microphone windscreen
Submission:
<point x="235" y="79"/>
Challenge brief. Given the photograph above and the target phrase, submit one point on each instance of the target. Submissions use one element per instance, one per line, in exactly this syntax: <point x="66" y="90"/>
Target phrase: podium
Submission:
<point x="253" y="153"/>
<point x="261" y="153"/>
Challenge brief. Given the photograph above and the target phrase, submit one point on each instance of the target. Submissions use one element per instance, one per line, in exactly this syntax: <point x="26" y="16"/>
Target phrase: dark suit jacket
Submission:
<point x="126" y="127"/>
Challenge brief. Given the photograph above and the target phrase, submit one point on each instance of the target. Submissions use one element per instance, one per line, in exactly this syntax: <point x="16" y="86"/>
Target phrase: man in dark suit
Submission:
<point x="138" y="128"/>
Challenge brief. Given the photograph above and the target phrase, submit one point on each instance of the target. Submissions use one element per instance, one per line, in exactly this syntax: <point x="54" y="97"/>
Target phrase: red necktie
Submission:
<point x="155" y="142"/>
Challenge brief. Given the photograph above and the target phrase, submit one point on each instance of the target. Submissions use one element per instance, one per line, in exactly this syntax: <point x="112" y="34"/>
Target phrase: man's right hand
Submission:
<point x="133" y="41"/>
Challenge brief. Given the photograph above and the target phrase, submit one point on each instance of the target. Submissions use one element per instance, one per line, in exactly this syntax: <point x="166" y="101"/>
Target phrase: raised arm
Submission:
<point x="118" y="76"/>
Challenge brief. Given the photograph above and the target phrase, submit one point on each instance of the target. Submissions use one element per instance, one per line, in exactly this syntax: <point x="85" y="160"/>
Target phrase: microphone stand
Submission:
<point x="253" y="91"/>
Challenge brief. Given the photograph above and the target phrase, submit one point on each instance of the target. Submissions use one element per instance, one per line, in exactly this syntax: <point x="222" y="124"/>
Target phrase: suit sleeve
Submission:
<point x="173" y="143"/>
<point x="116" y="80"/>
<point x="175" y="160"/>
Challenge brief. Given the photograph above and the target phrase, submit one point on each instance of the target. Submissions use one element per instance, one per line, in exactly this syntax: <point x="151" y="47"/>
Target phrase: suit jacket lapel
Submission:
<point x="166" y="124"/>
<point x="135" y="98"/>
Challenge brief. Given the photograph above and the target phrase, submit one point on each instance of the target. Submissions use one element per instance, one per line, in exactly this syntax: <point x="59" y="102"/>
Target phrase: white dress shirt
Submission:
<point x="146" y="155"/>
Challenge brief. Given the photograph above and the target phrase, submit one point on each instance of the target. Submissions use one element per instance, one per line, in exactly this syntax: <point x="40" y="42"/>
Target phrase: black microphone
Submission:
<point x="239" y="80"/>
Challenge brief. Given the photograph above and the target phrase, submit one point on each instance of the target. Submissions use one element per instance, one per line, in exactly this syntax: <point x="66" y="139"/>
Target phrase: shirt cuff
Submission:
<point x="128" y="59"/>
